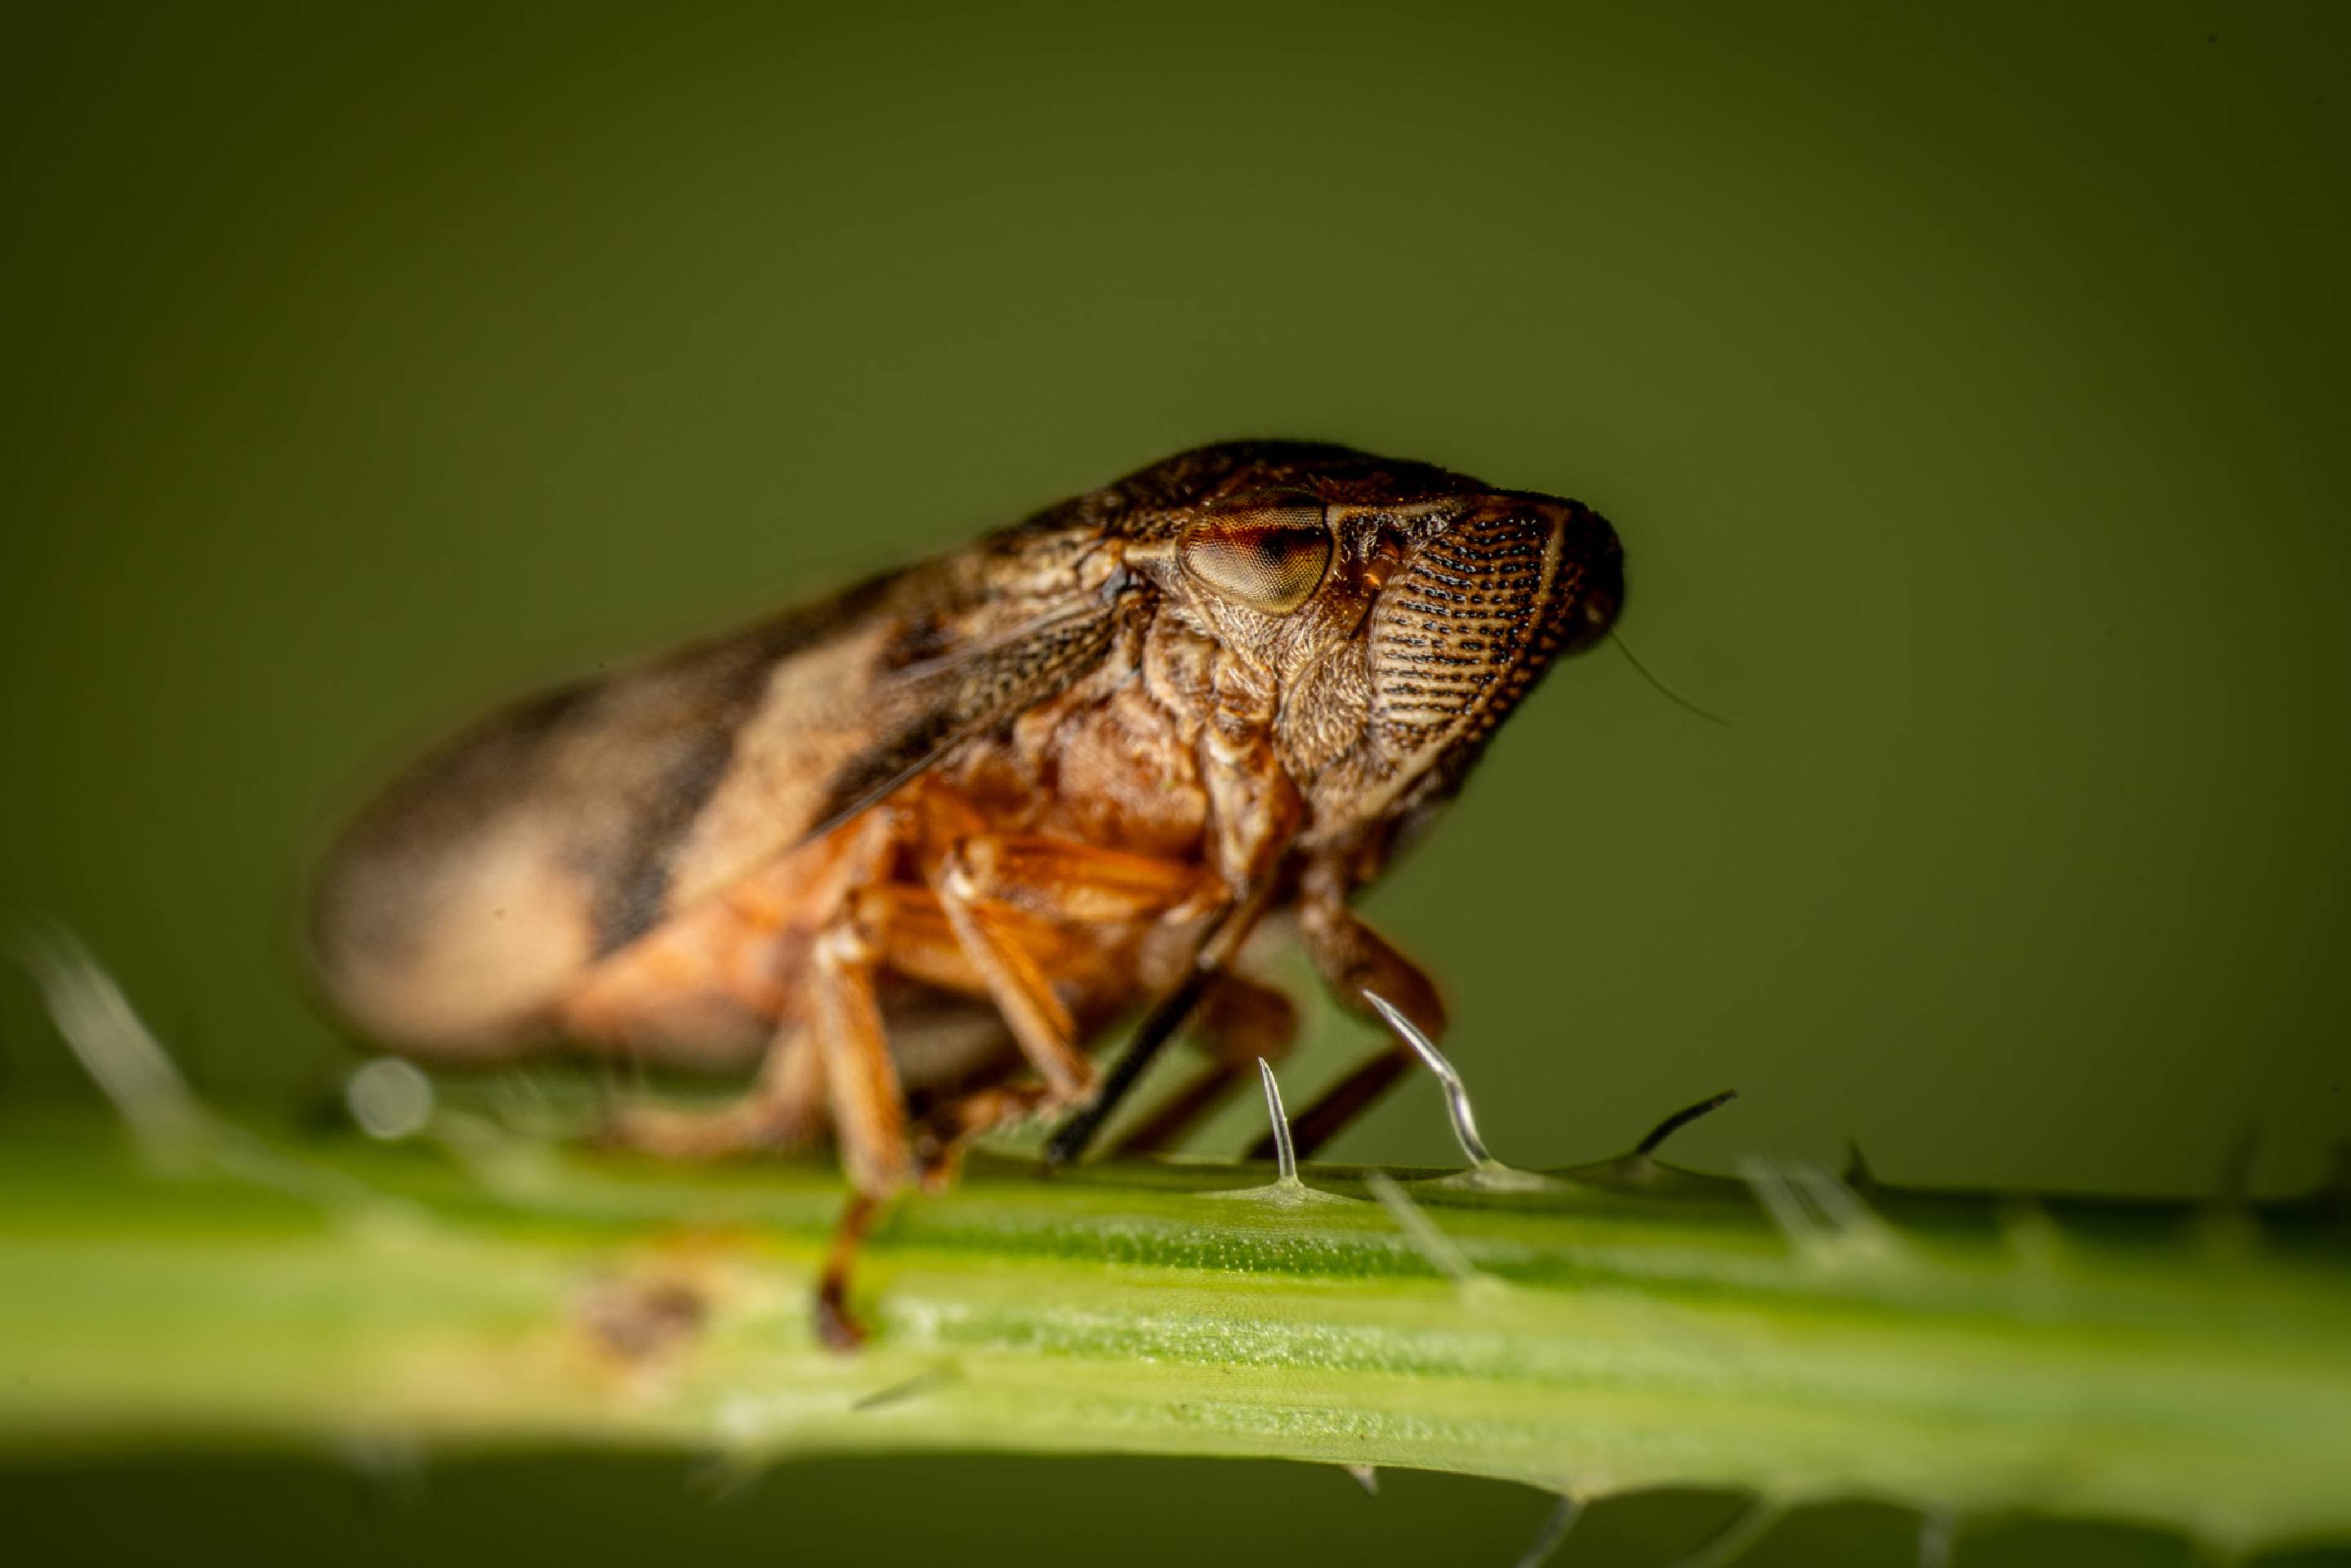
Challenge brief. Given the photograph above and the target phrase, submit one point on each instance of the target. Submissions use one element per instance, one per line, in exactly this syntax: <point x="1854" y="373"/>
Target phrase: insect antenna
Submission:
<point x="1670" y="695"/>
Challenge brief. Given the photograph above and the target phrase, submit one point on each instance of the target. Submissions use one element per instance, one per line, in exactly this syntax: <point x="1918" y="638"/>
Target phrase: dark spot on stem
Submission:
<point x="640" y="1319"/>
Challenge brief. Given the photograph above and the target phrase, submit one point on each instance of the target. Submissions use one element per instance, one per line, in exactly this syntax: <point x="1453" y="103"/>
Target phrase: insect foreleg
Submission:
<point x="985" y="878"/>
<point x="1022" y="992"/>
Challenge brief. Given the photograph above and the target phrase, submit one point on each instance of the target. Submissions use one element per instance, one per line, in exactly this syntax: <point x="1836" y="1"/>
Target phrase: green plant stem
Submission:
<point x="1632" y="1326"/>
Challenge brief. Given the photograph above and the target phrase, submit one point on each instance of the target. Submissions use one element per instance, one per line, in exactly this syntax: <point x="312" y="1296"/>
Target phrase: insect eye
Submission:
<point x="1270" y="558"/>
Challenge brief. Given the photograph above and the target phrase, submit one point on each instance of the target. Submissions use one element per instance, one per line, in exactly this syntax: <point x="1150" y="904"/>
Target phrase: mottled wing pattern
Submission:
<point x="570" y="826"/>
<point x="925" y="712"/>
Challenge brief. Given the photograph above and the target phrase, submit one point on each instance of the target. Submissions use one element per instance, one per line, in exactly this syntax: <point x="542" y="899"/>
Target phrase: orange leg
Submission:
<point x="1006" y="902"/>
<point x="910" y="933"/>
<point x="1240" y="1022"/>
<point x="964" y="938"/>
<point x="1047" y="1035"/>
<point x="986" y="881"/>
<point x="783" y="1108"/>
<point x="989" y="923"/>
<point x="1211" y="958"/>
<point x="1077" y="883"/>
<point x="869" y="1113"/>
<point x="1003" y="916"/>
<point x="835" y="1324"/>
<point x="869" y="1108"/>
<point x="785" y="1104"/>
<point x="942" y="1138"/>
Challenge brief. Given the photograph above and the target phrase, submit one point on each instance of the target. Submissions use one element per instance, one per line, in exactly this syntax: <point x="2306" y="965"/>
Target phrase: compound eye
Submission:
<point x="1270" y="556"/>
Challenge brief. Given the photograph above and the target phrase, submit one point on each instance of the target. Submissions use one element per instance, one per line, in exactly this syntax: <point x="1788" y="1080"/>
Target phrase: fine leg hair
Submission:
<point x="1239" y="1021"/>
<point x="1355" y="959"/>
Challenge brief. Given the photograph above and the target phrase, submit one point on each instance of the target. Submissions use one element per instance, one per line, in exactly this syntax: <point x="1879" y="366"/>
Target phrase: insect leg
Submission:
<point x="868" y="1112"/>
<point x="785" y="1104"/>
<point x="835" y="1324"/>
<point x="783" y="1108"/>
<point x="943" y="1135"/>
<point x="1023" y="994"/>
<point x="983" y="881"/>
<point x="1066" y="880"/>
<point x="951" y="940"/>
<point x="1355" y="960"/>
<point x="1161" y="1025"/>
<point x="1240" y="1022"/>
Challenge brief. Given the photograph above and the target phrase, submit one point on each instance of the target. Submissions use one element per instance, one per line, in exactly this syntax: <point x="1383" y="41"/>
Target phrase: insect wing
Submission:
<point x="929" y="709"/>
<point x="494" y="874"/>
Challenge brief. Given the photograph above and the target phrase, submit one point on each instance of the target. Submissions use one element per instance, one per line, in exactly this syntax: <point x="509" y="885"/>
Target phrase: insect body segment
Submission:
<point x="906" y="854"/>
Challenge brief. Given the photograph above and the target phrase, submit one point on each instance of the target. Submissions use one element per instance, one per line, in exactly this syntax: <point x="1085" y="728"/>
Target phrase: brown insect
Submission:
<point x="909" y="853"/>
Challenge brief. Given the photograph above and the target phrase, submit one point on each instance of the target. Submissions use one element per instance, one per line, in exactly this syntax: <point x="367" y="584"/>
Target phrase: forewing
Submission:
<point x="924" y="710"/>
<point x="488" y="878"/>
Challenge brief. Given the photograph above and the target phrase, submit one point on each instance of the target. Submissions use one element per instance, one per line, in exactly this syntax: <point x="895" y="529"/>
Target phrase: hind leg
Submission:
<point x="783" y="1108"/>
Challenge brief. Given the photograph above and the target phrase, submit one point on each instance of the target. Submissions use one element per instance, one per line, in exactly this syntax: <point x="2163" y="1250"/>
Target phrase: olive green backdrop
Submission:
<point x="1967" y="386"/>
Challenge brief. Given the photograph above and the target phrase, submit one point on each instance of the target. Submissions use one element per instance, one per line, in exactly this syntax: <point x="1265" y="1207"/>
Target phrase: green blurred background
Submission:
<point x="1967" y="386"/>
